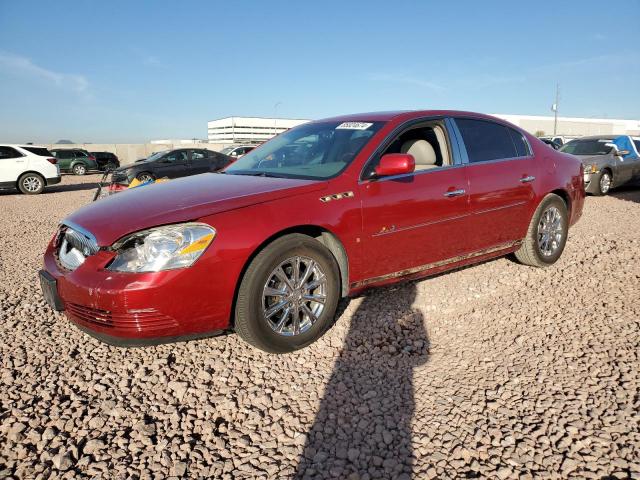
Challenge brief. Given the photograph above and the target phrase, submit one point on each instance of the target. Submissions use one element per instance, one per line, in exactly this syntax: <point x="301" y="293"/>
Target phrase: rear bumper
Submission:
<point x="53" y="180"/>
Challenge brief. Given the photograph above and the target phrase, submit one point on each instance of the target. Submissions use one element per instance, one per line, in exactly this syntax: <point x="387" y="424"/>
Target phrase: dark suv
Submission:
<point x="75" y="160"/>
<point x="106" y="160"/>
<point x="172" y="164"/>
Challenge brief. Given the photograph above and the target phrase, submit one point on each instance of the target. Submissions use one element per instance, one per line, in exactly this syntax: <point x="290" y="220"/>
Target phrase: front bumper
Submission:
<point x="592" y="185"/>
<point x="131" y="309"/>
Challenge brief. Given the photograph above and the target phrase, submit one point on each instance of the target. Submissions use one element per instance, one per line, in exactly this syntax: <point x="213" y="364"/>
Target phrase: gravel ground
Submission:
<point x="494" y="371"/>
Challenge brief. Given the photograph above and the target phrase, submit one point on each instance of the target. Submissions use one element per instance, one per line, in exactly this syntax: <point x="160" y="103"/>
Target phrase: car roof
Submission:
<point x="20" y="145"/>
<point x="405" y="115"/>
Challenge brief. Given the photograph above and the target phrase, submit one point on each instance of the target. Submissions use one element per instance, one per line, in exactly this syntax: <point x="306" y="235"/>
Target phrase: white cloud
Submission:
<point x="406" y="79"/>
<point x="19" y="65"/>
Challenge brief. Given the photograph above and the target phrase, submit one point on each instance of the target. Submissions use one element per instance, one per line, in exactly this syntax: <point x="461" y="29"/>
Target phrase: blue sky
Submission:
<point x="122" y="71"/>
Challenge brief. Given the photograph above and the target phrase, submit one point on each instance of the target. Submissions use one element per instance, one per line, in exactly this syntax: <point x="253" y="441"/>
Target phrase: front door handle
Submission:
<point x="454" y="193"/>
<point x="528" y="179"/>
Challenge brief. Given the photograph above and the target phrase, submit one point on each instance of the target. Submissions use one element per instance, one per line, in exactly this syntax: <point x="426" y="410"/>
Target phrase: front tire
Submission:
<point x="79" y="169"/>
<point x="547" y="233"/>
<point x="31" y="184"/>
<point x="604" y="183"/>
<point x="288" y="296"/>
<point x="145" y="177"/>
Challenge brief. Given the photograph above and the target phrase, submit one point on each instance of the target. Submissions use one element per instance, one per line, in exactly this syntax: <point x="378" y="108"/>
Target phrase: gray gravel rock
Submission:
<point x="493" y="371"/>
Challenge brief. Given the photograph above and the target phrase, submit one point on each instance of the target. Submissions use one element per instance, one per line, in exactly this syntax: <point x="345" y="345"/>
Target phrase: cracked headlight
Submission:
<point x="162" y="248"/>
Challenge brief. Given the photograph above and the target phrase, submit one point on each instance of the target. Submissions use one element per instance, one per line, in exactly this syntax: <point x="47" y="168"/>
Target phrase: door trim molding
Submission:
<point x="440" y="263"/>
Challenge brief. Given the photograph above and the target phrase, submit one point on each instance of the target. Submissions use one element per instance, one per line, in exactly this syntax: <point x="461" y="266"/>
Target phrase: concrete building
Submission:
<point x="573" y="126"/>
<point x="248" y="130"/>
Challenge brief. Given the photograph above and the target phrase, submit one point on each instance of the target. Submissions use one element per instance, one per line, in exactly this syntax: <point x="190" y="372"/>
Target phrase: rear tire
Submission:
<point x="31" y="184"/>
<point x="79" y="169"/>
<point x="263" y="289"/>
<point x="547" y="233"/>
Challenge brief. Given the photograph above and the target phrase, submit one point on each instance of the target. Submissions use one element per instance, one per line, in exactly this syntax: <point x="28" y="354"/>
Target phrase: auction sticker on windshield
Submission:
<point x="353" y="126"/>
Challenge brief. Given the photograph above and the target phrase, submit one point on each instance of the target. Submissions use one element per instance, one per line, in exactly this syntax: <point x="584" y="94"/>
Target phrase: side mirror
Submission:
<point x="622" y="153"/>
<point x="395" y="164"/>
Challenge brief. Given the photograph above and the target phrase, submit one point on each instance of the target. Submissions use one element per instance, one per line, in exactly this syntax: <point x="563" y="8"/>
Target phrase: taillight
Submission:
<point x="92" y="158"/>
<point x="52" y="160"/>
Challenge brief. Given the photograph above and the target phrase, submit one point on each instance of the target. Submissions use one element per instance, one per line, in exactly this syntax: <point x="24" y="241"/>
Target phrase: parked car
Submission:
<point x="559" y="140"/>
<point x="609" y="162"/>
<point x="551" y="143"/>
<point x="171" y="164"/>
<point x="237" y="151"/>
<point x="75" y="160"/>
<point x="28" y="168"/>
<point x="106" y="160"/>
<point x="324" y="210"/>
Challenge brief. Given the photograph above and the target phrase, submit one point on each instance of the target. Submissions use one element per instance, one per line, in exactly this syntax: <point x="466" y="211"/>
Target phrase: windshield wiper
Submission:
<point x="256" y="174"/>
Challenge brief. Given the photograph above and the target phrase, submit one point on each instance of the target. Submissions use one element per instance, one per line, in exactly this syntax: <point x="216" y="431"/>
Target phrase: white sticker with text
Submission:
<point x="353" y="126"/>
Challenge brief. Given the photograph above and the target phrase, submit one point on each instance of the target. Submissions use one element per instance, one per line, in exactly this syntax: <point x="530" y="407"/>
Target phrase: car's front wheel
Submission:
<point x="604" y="184"/>
<point x="288" y="296"/>
<point x="145" y="177"/>
<point x="547" y="233"/>
<point x="31" y="184"/>
<point x="79" y="169"/>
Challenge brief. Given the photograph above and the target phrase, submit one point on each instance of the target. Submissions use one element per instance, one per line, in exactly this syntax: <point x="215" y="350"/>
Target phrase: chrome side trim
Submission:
<point x="337" y="196"/>
<point x="388" y="231"/>
<point x="430" y="266"/>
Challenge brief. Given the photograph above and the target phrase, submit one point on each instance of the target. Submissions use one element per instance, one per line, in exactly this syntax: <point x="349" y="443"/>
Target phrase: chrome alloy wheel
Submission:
<point x="605" y="182"/>
<point x="32" y="184"/>
<point x="294" y="296"/>
<point x="550" y="231"/>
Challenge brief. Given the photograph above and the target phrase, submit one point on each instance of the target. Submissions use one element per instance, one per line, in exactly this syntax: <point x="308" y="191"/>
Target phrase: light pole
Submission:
<point x="275" y="114"/>
<point x="554" y="109"/>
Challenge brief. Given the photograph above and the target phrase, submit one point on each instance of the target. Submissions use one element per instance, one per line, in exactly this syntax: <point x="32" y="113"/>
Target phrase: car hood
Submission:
<point x="181" y="200"/>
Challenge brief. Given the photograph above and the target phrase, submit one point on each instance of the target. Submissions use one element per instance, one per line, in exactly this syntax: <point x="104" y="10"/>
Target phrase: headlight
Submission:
<point x="162" y="248"/>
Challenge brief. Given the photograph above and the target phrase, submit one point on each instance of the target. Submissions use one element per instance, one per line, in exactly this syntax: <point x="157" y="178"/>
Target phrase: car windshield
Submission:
<point x="588" y="147"/>
<point x="227" y="150"/>
<point x="157" y="155"/>
<point x="313" y="150"/>
<point x="637" y="144"/>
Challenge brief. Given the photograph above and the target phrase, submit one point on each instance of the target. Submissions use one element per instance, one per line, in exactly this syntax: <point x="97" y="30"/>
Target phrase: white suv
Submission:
<point x="27" y="168"/>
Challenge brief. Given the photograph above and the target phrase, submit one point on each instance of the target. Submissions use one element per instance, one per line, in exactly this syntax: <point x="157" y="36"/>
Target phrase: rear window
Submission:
<point x="40" y="151"/>
<point x="587" y="147"/>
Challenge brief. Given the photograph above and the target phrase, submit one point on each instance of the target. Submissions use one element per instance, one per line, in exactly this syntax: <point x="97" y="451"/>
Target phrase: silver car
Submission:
<point x="605" y="166"/>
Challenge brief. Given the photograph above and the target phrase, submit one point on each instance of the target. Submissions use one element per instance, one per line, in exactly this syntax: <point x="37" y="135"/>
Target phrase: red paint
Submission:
<point x="395" y="164"/>
<point x="389" y="225"/>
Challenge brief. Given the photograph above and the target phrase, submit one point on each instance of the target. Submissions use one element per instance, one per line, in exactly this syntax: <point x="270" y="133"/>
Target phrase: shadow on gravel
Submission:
<point x="364" y="420"/>
<point x="630" y="193"/>
<point x="71" y="188"/>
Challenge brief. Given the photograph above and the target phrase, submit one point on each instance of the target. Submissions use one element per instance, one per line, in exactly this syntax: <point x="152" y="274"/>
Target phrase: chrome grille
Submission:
<point x="75" y="247"/>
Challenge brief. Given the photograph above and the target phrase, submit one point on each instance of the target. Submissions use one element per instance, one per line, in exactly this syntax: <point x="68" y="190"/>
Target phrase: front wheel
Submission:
<point x="604" y="184"/>
<point x="79" y="169"/>
<point x="288" y="295"/>
<point x="31" y="184"/>
<point x="547" y="233"/>
<point x="145" y="177"/>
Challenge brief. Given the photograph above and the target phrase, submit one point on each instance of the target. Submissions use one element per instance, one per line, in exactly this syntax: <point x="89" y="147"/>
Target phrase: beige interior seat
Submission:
<point x="422" y="151"/>
<point x="442" y="142"/>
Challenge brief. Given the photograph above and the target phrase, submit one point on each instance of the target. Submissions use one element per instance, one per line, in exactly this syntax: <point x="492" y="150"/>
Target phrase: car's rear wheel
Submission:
<point x="547" y="233"/>
<point x="31" y="184"/>
<point x="79" y="169"/>
<point x="288" y="296"/>
<point x="604" y="183"/>
<point x="145" y="177"/>
<point x="110" y="166"/>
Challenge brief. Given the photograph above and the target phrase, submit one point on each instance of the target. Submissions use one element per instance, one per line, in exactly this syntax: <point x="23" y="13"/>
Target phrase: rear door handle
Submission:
<point x="454" y="193"/>
<point x="528" y="179"/>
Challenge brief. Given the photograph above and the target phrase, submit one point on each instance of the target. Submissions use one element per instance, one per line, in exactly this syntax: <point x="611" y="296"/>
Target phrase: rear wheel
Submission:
<point x="288" y="295"/>
<point x="110" y="166"/>
<point x="31" y="184"/>
<point x="604" y="184"/>
<point x="79" y="169"/>
<point x="547" y="233"/>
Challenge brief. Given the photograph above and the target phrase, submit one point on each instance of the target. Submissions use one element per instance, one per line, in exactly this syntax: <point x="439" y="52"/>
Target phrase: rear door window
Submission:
<point x="8" y="152"/>
<point x="485" y="140"/>
<point x="522" y="147"/>
<point x="40" y="151"/>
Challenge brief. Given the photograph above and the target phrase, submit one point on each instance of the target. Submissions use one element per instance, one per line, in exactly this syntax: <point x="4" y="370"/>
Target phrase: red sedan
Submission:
<point x="320" y="212"/>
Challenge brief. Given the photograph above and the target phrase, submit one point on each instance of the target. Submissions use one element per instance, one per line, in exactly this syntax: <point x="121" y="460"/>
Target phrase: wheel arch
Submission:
<point x="324" y="236"/>
<point x="564" y="195"/>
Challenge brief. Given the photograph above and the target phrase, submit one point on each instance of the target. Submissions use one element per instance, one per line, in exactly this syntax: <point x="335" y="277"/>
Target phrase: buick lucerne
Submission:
<point x="325" y="210"/>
